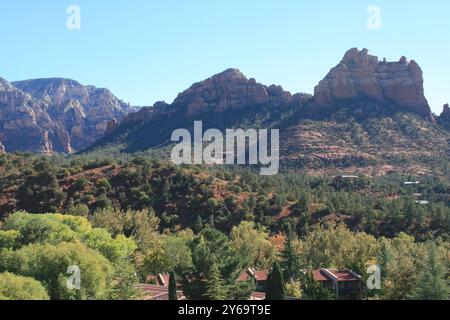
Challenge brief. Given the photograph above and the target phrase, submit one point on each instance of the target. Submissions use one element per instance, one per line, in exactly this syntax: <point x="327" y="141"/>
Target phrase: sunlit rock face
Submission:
<point x="84" y="111"/>
<point x="361" y="75"/>
<point x="54" y="115"/>
<point x="225" y="92"/>
<point x="229" y="90"/>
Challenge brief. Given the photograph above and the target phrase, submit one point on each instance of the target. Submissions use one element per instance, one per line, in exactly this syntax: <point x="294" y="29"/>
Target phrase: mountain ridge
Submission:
<point x="361" y="90"/>
<point x="51" y="115"/>
<point x="229" y="99"/>
<point x="361" y="75"/>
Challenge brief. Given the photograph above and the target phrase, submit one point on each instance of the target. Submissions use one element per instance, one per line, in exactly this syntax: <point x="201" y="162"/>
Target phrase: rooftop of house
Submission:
<point x="160" y="279"/>
<point x="258" y="275"/>
<point x="346" y="275"/>
<point x="161" y="293"/>
<point x="156" y="292"/>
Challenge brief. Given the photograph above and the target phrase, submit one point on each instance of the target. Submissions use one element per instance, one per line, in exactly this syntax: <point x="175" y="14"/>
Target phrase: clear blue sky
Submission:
<point x="145" y="50"/>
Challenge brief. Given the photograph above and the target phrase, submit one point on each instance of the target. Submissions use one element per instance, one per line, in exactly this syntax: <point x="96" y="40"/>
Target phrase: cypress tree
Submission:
<point x="275" y="286"/>
<point x="384" y="259"/>
<point x="173" y="286"/>
<point x="269" y="287"/>
<point x="290" y="261"/>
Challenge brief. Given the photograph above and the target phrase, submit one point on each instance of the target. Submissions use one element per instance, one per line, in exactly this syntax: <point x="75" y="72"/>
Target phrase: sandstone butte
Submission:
<point x="361" y="75"/>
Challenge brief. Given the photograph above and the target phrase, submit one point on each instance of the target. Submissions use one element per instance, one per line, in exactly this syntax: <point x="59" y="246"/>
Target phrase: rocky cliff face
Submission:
<point x="24" y="123"/>
<point x="360" y="75"/>
<point x="444" y="118"/>
<point x="225" y="100"/>
<point x="446" y="112"/>
<point x="84" y="111"/>
<point x="224" y="92"/>
<point x="227" y="91"/>
<point x="54" y="115"/>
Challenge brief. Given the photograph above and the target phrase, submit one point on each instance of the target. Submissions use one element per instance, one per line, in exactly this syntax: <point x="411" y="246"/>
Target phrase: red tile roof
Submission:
<point x="324" y="275"/>
<point x="243" y="277"/>
<point x="318" y="276"/>
<point x="261" y="275"/>
<point x="258" y="296"/>
<point x="160" y="279"/>
<point x="258" y="275"/>
<point x="346" y="275"/>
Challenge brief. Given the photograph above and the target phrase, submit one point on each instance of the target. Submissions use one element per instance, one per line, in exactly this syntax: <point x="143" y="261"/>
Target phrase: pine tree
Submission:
<point x="125" y="281"/>
<point x="215" y="287"/>
<point x="211" y="221"/>
<point x="433" y="284"/>
<point x="210" y="248"/>
<point x="304" y="204"/>
<point x="173" y="286"/>
<point x="275" y="286"/>
<point x="384" y="260"/>
<point x="290" y="261"/>
<point x="314" y="290"/>
<point x="198" y="226"/>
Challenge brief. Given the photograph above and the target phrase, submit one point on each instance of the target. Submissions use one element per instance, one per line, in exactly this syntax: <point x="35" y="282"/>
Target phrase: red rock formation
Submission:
<point x="54" y="115"/>
<point x="83" y="110"/>
<point x="360" y="75"/>
<point x="229" y="90"/>
<point x="446" y="112"/>
<point x="444" y="118"/>
<point x="225" y="92"/>
<point x="111" y="127"/>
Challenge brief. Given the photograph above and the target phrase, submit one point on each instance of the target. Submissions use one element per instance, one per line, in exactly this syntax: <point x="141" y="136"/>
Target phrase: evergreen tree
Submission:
<point x="198" y="226"/>
<point x="215" y="286"/>
<point x="275" y="286"/>
<point x="211" y="221"/>
<point x="210" y="248"/>
<point x="290" y="260"/>
<point x="173" y="286"/>
<point x="314" y="290"/>
<point x="125" y="281"/>
<point x="384" y="259"/>
<point x="269" y="287"/>
<point x="433" y="283"/>
<point x="304" y="203"/>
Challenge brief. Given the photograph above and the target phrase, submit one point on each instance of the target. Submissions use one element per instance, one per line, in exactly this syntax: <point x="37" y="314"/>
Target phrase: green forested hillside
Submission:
<point x="122" y="219"/>
<point x="185" y="196"/>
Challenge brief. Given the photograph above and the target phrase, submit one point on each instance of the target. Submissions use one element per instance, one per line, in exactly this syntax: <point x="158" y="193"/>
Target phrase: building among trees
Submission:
<point x="345" y="284"/>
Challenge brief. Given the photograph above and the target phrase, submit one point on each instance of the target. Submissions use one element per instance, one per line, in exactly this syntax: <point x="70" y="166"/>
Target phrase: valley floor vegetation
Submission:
<point x="121" y="220"/>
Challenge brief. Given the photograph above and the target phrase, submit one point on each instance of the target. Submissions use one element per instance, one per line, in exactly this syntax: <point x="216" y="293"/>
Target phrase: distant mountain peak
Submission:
<point x="49" y="81"/>
<point x="356" y="56"/>
<point x="55" y="115"/>
<point x="230" y="74"/>
<point x="5" y="85"/>
<point x="361" y="75"/>
<point x="228" y="90"/>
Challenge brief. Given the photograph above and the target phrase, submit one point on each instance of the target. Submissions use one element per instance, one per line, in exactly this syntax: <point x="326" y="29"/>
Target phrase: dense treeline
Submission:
<point x="122" y="219"/>
<point x="193" y="196"/>
<point x="115" y="250"/>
